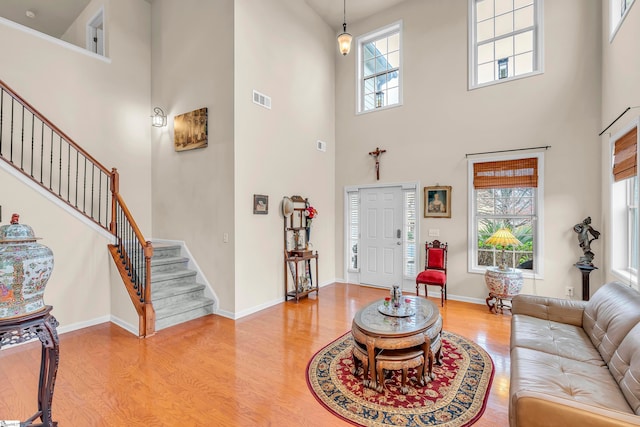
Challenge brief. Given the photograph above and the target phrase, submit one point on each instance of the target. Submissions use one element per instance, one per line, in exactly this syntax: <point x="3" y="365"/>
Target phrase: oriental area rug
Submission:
<point x="456" y="397"/>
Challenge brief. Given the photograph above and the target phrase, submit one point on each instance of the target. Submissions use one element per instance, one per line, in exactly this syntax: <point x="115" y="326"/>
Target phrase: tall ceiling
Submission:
<point x="53" y="17"/>
<point x="331" y="11"/>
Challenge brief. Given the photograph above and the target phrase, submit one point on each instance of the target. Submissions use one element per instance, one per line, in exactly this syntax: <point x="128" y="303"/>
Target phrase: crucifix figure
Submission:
<point x="376" y="155"/>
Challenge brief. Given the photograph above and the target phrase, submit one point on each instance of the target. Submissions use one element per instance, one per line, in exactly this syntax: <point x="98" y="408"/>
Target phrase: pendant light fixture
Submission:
<point x="344" y="39"/>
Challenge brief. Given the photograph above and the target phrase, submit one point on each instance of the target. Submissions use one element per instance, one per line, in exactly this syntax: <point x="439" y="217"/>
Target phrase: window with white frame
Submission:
<point x="505" y="40"/>
<point x="506" y="193"/>
<point x="410" y="233"/>
<point x="624" y="207"/>
<point x="618" y="10"/>
<point x="379" y="69"/>
<point x="409" y="225"/>
<point x="354" y="229"/>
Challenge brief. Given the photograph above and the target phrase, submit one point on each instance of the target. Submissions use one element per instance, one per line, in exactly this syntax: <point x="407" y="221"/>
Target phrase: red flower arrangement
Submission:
<point x="310" y="212"/>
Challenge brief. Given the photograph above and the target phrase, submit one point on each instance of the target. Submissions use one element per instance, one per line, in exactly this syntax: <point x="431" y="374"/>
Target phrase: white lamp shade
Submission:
<point x="344" y="43"/>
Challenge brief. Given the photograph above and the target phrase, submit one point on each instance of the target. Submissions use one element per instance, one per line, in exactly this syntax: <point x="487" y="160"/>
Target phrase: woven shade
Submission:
<point x="506" y="174"/>
<point x="625" y="162"/>
<point x="503" y="237"/>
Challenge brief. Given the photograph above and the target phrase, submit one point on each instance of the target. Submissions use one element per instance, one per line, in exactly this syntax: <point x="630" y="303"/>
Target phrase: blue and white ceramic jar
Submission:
<point x="25" y="268"/>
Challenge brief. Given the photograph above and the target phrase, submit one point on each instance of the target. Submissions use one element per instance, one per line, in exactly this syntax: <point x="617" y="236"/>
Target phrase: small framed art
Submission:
<point x="260" y="204"/>
<point x="437" y="202"/>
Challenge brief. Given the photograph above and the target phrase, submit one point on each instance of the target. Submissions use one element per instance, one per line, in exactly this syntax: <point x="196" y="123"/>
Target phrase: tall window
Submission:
<point x="624" y="207"/>
<point x="505" y="40"/>
<point x="506" y="193"/>
<point x="379" y="69"/>
<point x="618" y="11"/>
<point x="410" y="233"/>
<point x="354" y="229"/>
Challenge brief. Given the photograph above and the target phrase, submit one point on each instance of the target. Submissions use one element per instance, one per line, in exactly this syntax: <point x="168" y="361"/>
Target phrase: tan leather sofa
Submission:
<point x="576" y="363"/>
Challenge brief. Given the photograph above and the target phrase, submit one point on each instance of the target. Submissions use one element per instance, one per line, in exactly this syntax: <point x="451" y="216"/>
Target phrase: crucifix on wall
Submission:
<point x="376" y="155"/>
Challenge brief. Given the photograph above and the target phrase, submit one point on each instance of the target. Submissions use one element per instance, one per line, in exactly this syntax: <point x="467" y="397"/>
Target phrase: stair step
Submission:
<point x="163" y="250"/>
<point x="167" y="264"/>
<point x="173" y="315"/>
<point x="172" y="278"/>
<point x="176" y="295"/>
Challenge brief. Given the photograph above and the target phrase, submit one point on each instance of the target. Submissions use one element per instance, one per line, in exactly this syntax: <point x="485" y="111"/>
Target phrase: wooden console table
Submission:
<point x="293" y="260"/>
<point x="43" y="325"/>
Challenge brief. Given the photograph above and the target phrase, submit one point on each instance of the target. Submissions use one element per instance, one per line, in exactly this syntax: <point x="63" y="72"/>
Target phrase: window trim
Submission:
<point x="396" y="26"/>
<point x="613" y="29"/>
<point x="538" y="51"/>
<point x="623" y="275"/>
<point x="538" y="252"/>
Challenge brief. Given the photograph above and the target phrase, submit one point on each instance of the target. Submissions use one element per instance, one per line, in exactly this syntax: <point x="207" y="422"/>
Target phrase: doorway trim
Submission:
<point x="351" y="276"/>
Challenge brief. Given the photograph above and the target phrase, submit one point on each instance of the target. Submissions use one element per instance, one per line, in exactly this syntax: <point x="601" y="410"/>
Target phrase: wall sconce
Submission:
<point x="159" y="119"/>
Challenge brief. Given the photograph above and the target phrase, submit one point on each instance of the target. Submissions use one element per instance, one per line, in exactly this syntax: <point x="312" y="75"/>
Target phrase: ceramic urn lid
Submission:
<point x="15" y="232"/>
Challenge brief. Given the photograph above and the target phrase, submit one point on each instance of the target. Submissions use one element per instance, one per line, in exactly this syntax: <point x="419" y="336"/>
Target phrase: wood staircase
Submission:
<point x="40" y="151"/>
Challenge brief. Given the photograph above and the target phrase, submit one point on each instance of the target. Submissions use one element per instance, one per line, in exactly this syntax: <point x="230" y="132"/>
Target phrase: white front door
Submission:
<point x="381" y="236"/>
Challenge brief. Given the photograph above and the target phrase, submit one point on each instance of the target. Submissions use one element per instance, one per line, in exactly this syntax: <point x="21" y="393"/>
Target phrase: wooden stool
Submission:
<point x="360" y="357"/>
<point x="392" y="360"/>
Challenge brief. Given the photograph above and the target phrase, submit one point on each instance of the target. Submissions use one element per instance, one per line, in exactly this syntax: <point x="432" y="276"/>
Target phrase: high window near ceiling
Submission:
<point x="506" y="193"/>
<point x="618" y="11"/>
<point x="624" y="206"/>
<point x="505" y="40"/>
<point x="379" y="69"/>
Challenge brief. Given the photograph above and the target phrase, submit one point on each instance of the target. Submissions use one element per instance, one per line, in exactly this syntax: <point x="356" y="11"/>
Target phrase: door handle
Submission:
<point x="398" y="243"/>
<point x="398" y="233"/>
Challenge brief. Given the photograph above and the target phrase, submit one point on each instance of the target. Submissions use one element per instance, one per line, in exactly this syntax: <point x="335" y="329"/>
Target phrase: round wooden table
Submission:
<point x="377" y="331"/>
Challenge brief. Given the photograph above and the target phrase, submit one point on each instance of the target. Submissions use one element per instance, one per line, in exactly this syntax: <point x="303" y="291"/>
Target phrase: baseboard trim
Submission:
<point x="124" y="325"/>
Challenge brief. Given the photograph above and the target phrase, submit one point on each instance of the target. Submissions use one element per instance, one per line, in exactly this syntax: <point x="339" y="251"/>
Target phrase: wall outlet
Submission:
<point x="569" y="291"/>
<point x="434" y="232"/>
<point x="225" y="237"/>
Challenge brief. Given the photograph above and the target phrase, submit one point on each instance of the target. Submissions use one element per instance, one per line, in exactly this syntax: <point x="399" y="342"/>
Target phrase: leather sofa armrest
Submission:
<point x="555" y="309"/>
<point x="535" y="409"/>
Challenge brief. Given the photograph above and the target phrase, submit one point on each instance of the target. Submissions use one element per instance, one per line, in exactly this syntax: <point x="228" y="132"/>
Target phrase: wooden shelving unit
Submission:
<point x="297" y="257"/>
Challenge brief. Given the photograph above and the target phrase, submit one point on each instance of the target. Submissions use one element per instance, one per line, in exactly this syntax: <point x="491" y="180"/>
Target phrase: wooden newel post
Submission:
<point x="115" y="189"/>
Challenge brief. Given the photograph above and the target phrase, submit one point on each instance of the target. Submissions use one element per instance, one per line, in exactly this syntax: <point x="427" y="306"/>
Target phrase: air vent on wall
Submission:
<point x="261" y="99"/>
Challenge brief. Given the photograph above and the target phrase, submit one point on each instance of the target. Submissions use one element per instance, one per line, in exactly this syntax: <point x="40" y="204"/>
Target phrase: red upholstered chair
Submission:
<point x="435" y="269"/>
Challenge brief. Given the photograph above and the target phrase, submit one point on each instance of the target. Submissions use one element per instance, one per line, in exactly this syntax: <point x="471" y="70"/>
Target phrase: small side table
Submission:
<point x="43" y="325"/>
<point x="503" y="285"/>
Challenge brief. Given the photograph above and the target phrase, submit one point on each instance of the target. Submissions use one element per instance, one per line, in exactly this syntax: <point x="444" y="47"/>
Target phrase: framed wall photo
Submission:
<point x="437" y="202"/>
<point x="260" y="204"/>
<point x="190" y="130"/>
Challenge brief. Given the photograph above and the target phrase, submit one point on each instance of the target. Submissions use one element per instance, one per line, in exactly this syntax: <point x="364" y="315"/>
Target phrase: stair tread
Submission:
<point x="182" y="307"/>
<point x="177" y="274"/>
<point x="183" y="288"/>
<point x="168" y="260"/>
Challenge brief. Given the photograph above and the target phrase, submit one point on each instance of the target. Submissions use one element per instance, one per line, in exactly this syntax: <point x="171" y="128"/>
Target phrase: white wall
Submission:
<point x="104" y="106"/>
<point x="620" y="89"/>
<point x="427" y="138"/>
<point x="192" y="68"/>
<point x="284" y="50"/>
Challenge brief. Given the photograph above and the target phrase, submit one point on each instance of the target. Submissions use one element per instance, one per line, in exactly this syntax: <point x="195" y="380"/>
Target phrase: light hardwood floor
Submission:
<point x="217" y="372"/>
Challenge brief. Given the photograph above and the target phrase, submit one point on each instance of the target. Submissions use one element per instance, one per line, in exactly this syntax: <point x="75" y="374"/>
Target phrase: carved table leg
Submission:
<point x="48" y="369"/>
<point x="371" y="351"/>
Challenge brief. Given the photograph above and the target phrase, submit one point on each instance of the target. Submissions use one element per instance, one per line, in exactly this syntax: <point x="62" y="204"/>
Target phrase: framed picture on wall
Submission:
<point x="437" y="202"/>
<point x="260" y="204"/>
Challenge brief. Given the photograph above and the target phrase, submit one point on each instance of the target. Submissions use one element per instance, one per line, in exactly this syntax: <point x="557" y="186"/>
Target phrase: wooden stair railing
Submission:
<point x="36" y="148"/>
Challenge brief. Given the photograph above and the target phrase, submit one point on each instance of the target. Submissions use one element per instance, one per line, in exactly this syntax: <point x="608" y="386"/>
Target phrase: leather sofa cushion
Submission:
<point x="625" y="368"/>
<point x="610" y="314"/>
<point x="556" y="309"/>
<point x="553" y="338"/>
<point x="536" y="371"/>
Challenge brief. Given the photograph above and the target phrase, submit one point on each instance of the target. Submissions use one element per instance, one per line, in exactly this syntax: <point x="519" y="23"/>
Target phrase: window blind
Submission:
<point x="625" y="163"/>
<point x="506" y="173"/>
